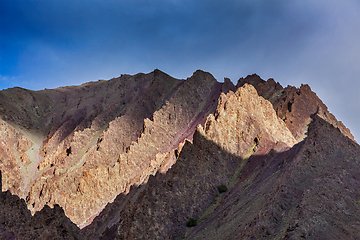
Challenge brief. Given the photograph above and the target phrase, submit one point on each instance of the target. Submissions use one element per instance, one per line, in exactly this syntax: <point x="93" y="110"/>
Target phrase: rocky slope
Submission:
<point x="92" y="150"/>
<point x="98" y="137"/>
<point x="294" y="105"/>
<point x="311" y="191"/>
<point x="160" y="209"/>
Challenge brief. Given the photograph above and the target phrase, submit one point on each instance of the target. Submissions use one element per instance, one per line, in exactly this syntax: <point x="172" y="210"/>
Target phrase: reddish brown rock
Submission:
<point x="242" y="118"/>
<point x="13" y="159"/>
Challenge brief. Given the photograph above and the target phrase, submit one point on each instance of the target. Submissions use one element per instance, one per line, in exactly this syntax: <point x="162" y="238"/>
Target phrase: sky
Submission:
<point x="47" y="44"/>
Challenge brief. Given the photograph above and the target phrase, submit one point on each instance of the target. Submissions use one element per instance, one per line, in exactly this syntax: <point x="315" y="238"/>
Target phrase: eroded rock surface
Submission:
<point x="14" y="147"/>
<point x="102" y="136"/>
<point x="243" y="122"/>
<point x="158" y="148"/>
<point x="294" y="105"/>
<point x="242" y="119"/>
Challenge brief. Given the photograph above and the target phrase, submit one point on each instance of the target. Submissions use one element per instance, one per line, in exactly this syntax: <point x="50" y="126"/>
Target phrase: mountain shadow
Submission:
<point x="16" y="221"/>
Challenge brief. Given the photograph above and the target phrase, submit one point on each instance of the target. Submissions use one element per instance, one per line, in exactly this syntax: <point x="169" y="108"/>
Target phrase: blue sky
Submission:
<point x="46" y="44"/>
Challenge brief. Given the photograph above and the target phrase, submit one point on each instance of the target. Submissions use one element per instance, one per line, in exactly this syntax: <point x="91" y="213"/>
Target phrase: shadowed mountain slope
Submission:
<point x="311" y="191"/>
<point x="16" y="221"/>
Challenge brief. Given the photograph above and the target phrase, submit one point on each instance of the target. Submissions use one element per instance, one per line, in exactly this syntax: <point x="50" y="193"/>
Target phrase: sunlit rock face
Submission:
<point x="294" y="105"/>
<point x="242" y="119"/>
<point x="243" y="123"/>
<point x="100" y="137"/>
<point x="136" y="157"/>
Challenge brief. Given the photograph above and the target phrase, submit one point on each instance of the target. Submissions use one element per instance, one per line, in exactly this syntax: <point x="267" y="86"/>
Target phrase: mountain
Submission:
<point x="136" y="157"/>
<point x="67" y="145"/>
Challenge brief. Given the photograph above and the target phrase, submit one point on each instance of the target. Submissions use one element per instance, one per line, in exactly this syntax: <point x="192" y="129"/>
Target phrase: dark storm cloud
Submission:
<point x="186" y="30"/>
<point x="53" y="43"/>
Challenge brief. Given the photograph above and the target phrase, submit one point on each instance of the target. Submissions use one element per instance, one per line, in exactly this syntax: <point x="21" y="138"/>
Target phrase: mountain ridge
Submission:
<point x="97" y="147"/>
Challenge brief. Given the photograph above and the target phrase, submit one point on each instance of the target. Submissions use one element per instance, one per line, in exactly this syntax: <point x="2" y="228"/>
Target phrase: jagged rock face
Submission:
<point x="294" y="105"/>
<point x="87" y="156"/>
<point x="13" y="147"/>
<point x="310" y="191"/>
<point x="243" y="119"/>
<point x="106" y="136"/>
<point x="161" y="208"/>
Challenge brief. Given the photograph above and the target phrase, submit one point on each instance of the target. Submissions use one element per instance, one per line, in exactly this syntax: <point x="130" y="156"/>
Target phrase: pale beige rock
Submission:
<point x="241" y="118"/>
<point x="92" y="165"/>
<point x="295" y="106"/>
<point x="13" y="145"/>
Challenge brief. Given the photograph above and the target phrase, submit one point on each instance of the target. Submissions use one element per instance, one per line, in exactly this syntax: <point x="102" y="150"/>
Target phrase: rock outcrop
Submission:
<point x="103" y="137"/>
<point x="14" y="148"/>
<point x="16" y="221"/>
<point x="242" y="119"/>
<point x="294" y="105"/>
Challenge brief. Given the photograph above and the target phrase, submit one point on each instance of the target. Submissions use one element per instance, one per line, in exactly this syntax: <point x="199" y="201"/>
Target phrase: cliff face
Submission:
<point x="137" y="156"/>
<point x="160" y="208"/>
<point x="294" y="105"/>
<point x="99" y="137"/>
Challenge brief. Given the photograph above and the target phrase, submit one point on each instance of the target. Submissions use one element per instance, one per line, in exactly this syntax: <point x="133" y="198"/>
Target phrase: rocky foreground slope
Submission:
<point x="92" y="150"/>
<point x="16" y="221"/>
<point x="310" y="191"/>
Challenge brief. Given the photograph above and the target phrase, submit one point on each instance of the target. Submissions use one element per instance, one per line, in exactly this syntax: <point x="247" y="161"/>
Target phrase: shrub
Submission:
<point x="222" y="188"/>
<point x="191" y="223"/>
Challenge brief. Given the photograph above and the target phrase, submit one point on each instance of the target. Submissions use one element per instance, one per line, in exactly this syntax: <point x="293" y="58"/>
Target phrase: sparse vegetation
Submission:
<point x="222" y="188"/>
<point x="192" y="222"/>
